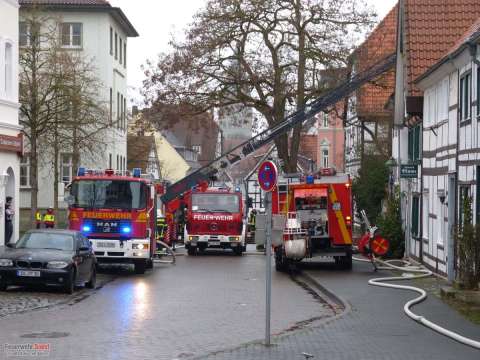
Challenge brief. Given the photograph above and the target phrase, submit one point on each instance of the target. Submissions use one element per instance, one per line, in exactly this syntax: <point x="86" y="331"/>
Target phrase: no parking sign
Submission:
<point x="267" y="176"/>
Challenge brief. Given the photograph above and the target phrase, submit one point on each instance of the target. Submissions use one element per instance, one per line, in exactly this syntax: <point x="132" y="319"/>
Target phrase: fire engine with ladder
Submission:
<point x="118" y="211"/>
<point x="332" y="192"/>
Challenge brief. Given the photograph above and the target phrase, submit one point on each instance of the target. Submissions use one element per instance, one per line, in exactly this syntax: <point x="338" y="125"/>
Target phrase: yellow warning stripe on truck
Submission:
<point x="339" y="215"/>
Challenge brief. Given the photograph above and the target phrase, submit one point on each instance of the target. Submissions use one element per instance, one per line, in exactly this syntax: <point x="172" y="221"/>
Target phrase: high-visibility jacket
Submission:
<point x="49" y="218"/>
<point x="38" y="216"/>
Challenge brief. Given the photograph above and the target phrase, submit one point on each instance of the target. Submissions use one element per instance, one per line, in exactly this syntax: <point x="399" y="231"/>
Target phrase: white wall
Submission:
<point x="9" y="161"/>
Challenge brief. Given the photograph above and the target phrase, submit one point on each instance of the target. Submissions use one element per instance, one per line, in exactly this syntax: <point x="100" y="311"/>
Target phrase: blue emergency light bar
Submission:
<point x="310" y="179"/>
<point x="137" y="172"/>
<point x="81" y="171"/>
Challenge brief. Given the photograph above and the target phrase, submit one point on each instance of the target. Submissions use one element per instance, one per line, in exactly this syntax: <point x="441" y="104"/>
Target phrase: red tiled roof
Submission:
<point x="472" y="31"/>
<point x="432" y="28"/>
<point x="64" y="2"/>
<point x="381" y="42"/>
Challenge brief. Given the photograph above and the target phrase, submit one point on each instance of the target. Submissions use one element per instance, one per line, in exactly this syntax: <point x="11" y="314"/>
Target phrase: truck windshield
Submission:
<point x="109" y="194"/>
<point x="216" y="202"/>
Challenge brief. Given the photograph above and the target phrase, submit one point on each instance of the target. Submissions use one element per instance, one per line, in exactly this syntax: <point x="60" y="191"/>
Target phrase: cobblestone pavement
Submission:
<point x="200" y="306"/>
<point x="18" y="299"/>
<point x="373" y="327"/>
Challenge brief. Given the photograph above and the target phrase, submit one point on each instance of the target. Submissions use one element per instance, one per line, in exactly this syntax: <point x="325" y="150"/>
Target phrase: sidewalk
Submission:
<point x="372" y="327"/>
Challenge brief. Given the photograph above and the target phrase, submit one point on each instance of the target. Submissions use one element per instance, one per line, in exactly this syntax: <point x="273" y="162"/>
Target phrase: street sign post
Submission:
<point x="267" y="179"/>
<point x="408" y="171"/>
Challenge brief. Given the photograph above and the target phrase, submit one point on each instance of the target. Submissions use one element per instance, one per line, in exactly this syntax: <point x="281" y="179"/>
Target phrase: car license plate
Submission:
<point x="104" y="244"/>
<point x="214" y="243"/>
<point x="28" y="273"/>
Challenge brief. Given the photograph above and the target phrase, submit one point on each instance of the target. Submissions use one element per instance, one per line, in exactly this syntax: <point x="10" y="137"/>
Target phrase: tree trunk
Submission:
<point x="297" y="130"/>
<point x="56" y="175"/>
<point x="33" y="178"/>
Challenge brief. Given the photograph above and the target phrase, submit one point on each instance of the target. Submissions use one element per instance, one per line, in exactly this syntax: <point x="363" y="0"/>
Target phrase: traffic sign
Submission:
<point x="267" y="176"/>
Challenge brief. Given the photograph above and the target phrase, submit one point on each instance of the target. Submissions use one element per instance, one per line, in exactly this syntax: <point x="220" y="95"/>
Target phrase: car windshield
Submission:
<point x="109" y="194"/>
<point x="45" y="240"/>
<point x="215" y="202"/>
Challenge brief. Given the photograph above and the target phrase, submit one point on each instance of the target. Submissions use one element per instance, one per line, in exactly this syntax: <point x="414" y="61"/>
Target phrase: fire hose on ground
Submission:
<point x="414" y="272"/>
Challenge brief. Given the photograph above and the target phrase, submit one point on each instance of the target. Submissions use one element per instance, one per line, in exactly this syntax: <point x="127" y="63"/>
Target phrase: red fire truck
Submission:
<point x="214" y="218"/>
<point x="117" y="213"/>
<point x="318" y="213"/>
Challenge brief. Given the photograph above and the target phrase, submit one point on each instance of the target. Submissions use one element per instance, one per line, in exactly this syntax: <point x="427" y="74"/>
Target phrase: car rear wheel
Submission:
<point x="70" y="283"/>
<point x="93" y="279"/>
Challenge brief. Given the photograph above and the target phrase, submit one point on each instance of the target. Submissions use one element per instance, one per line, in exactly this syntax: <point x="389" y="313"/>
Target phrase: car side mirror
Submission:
<point x="69" y="199"/>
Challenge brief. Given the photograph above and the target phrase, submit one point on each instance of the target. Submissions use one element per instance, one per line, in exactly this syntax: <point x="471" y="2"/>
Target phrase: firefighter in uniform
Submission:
<point x="38" y="219"/>
<point x="49" y="219"/>
<point x="161" y="228"/>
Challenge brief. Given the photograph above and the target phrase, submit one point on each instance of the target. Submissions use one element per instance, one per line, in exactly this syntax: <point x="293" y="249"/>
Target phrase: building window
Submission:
<point x="465" y="101"/>
<point x="111" y="41"/>
<point x="414" y="147"/>
<point x="125" y="163"/>
<point x="66" y="163"/>
<point x="425" y="216"/>
<point x="116" y="46"/>
<point x="118" y="162"/>
<point x="109" y="161"/>
<point x="125" y="54"/>
<point x="8" y="70"/>
<point x="110" y="115"/>
<point x="120" y="58"/>
<point x="197" y="149"/>
<point x="325" y="120"/>
<point x="118" y="109"/>
<point x="325" y="158"/>
<point x="25" y="171"/>
<point x="23" y="34"/>
<point x="124" y="113"/>
<point x="415" y="228"/>
<point x="478" y="90"/>
<point x="71" y="34"/>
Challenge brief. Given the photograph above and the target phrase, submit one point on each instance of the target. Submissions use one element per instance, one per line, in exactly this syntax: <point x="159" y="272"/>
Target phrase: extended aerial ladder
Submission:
<point x="247" y="148"/>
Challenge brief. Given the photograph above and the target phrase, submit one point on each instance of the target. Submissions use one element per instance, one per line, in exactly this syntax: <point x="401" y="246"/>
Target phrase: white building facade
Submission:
<point x="100" y="32"/>
<point x="451" y="156"/>
<point x="11" y="144"/>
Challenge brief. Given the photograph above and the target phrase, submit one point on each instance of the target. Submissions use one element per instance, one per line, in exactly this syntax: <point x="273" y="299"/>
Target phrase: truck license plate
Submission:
<point x="104" y="244"/>
<point x="28" y="273"/>
<point x="214" y="243"/>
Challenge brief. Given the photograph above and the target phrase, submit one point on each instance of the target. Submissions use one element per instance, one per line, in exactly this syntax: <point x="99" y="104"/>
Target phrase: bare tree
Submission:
<point x="264" y="54"/>
<point x="38" y="87"/>
<point x="60" y="106"/>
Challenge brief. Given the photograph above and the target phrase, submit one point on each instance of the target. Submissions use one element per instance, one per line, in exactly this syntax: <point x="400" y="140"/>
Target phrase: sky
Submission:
<point x="157" y="20"/>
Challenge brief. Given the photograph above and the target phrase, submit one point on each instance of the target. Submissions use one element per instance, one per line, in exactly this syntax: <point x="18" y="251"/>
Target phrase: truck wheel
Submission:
<point x="3" y="286"/>
<point x="192" y="251"/>
<point x="344" y="262"/>
<point x="281" y="264"/>
<point x="140" y="267"/>
<point x="238" y="251"/>
<point x="149" y="264"/>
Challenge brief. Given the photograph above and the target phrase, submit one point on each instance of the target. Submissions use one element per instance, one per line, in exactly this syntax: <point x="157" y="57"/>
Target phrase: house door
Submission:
<point x="452" y="196"/>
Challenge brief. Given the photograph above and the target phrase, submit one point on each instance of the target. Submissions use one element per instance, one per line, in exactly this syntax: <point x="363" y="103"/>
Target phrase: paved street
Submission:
<point x="374" y="326"/>
<point x="202" y="305"/>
